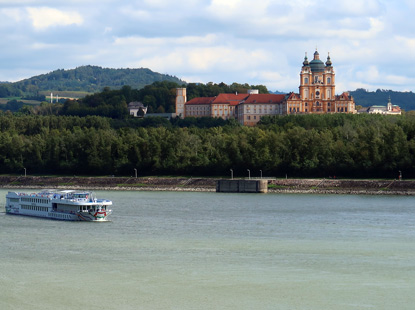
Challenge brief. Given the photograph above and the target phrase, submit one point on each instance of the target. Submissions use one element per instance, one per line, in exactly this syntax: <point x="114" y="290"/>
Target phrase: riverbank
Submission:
<point x="317" y="186"/>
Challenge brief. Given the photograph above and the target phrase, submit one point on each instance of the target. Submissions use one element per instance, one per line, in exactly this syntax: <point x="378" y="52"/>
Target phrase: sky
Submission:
<point x="371" y="42"/>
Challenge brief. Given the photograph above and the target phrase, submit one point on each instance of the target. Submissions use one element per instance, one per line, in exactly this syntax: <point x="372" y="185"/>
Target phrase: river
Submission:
<point x="191" y="250"/>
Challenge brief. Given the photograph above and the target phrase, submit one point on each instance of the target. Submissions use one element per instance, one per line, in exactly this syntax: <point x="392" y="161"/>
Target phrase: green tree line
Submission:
<point x="338" y="145"/>
<point x="159" y="97"/>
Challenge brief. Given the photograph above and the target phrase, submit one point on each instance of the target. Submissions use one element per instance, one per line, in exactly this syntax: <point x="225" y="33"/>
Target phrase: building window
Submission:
<point x="328" y="80"/>
<point x="306" y="80"/>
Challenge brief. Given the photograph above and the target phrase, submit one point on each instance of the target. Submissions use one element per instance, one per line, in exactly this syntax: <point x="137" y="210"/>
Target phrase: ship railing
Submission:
<point x="66" y="212"/>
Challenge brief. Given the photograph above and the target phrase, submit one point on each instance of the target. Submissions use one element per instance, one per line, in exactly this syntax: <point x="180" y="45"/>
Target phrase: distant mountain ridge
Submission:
<point x="88" y="79"/>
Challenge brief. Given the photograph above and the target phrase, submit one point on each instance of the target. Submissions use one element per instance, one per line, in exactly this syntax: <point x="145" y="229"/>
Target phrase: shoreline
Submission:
<point x="281" y="186"/>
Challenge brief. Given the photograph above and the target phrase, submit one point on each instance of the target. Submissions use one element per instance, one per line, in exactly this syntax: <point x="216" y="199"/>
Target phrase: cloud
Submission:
<point x="191" y="54"/>
<point x="14" y="14"/>
<point x="45" y="17"/>
<point x="371" y="42"/>
<point x="372" y="75"/>
<point x="407" y="43"/>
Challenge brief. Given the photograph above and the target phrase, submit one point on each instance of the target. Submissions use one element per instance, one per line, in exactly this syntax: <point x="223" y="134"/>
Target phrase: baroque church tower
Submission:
<point x="317" y="85"/>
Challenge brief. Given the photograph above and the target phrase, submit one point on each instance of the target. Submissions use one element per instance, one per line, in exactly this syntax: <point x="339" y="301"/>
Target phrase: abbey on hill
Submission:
<point x="316" y="95"/>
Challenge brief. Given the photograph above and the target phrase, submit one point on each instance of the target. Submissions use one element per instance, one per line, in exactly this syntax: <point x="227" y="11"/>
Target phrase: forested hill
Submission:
<point x="89" y="79"/>
<point x="405" y="100"/>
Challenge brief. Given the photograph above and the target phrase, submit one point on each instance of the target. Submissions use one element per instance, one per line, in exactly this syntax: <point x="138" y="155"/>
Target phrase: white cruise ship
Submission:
<point x="68" y="205"/>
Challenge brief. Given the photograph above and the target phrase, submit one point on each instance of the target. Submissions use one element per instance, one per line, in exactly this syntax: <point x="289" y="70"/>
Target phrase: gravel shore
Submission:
<point x="298" y="186"/>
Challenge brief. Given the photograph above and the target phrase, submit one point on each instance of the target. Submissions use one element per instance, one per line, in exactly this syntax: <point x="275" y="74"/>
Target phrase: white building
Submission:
<point x="389" y="109"/>
<point x="134" y="107"/>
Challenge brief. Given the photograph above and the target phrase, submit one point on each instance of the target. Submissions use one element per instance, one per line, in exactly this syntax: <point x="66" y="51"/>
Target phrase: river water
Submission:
<point x="186" y="250"/>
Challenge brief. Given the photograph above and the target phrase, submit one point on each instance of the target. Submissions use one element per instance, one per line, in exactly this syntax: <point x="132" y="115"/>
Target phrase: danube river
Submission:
<point x="182" y="250"/>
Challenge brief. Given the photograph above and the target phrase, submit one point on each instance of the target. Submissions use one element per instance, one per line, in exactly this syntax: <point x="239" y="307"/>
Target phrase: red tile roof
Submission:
<point x="235" y="99"/>
<point x="265" y="98"/>
<point x="293" y="96"/>
<point x="201" y="100"/>
<point x="229" y="98"/>
<point x="344" y="96"/>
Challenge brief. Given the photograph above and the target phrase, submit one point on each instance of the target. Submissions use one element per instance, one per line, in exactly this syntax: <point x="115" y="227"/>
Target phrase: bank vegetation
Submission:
<point x="336" y="146"/>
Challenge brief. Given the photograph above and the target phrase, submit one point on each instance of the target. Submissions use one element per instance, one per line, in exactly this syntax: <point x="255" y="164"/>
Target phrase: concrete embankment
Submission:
<point x="109" y="183"/>
<point x="336" y="186"/>
<point x="318" y="186"/>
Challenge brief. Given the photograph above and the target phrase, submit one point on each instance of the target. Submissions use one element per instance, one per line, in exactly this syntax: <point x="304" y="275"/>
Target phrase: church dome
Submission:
<point x="316" y="64"/>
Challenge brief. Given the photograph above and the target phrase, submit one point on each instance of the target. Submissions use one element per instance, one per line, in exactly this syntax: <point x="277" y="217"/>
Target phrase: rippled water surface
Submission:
<point x="178" y="250"/>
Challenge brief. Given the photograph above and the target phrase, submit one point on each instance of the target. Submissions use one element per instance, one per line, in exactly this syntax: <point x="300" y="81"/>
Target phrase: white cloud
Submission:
<point x="371" y="42"/>
<point x="192" y="54"/>
<point x="45" y="17"/>
<point x="373" y="76"/>
<point x="408" y="44"/>
<point x="13" y="13"/>
<point x="358" y="8"/>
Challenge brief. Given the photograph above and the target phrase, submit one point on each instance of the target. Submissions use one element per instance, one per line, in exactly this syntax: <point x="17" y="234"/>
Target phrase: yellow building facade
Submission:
<point x="317" y="91"/>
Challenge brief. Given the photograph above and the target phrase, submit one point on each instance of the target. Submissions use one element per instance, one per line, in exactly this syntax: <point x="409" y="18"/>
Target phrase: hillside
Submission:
<point x="85" y="79"/>
<point x="406" y="100"/>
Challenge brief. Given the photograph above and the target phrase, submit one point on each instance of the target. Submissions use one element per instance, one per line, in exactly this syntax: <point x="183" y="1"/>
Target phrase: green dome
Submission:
<point x="317" y="65"/>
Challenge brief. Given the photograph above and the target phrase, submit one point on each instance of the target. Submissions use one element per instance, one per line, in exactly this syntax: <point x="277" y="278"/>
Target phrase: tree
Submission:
<point x="140" y="112"/>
